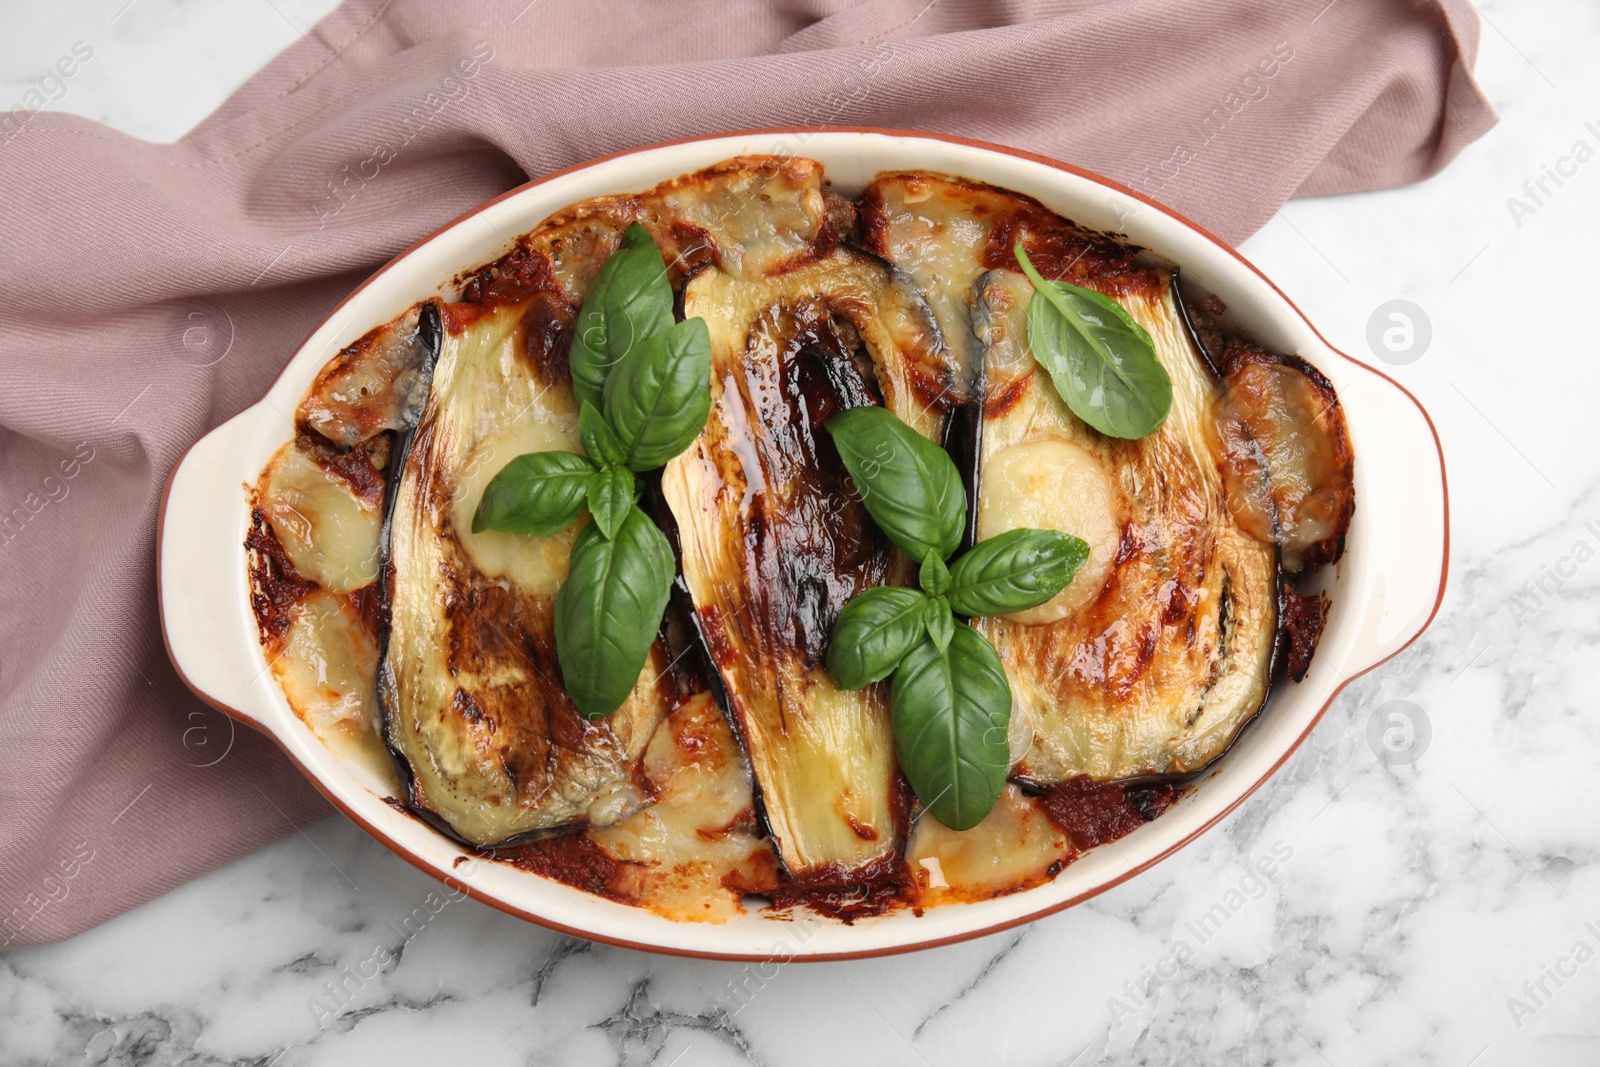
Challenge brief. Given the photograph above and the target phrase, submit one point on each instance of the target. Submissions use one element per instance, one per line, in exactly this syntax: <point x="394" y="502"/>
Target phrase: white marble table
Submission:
<point x="1440" y="911"/>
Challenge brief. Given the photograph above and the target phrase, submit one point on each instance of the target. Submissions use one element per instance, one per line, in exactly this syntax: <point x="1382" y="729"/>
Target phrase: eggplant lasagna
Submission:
<point x="735" y="768"/>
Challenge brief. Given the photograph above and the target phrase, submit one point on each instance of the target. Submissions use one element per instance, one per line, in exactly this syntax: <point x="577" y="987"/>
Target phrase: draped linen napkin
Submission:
<point x="152" y="291"/>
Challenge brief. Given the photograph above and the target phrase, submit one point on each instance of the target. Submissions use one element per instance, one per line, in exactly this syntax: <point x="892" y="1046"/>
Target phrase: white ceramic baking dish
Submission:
<point x="1384" y="592"/>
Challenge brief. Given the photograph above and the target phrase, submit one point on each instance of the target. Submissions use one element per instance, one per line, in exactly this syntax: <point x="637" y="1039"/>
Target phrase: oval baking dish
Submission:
<point x="1383" y="593"/>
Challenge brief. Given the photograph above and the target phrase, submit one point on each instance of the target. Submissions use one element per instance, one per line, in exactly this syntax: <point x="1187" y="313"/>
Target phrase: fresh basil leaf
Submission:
<point x="873" y="632"/>
<point x="658" y="398"/>
<point x="536" y="495"/>
<point x="608" y="610"/>
<point x="933" y="576"/>
<point x="599" y="441"/>
<point x="907" y="483"/>
<point x="587" y="362"/>
<point x="941" y="623"/>
<point x="1014" y="571"/>
<point x="951" y="710"/>
<point x="628" y="300"/>
<point x="610" y="495"/>
<point x="1103" y="363"/>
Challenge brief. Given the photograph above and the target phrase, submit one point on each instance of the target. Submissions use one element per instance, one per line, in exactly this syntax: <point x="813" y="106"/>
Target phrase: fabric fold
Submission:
<point x="153" y="291"/>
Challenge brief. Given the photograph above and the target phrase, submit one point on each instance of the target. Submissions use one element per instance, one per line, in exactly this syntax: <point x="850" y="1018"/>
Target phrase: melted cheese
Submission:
<point x="749" y="216"/>
<point x="692" y="854"/>
<point x="329" y="533"/>
<point x="1014" y="847"/>
<point x="326" y="670"/>
<point x="1053" y="485"/>
<point x="758" y="217"/>
<point x="545" y="422"/>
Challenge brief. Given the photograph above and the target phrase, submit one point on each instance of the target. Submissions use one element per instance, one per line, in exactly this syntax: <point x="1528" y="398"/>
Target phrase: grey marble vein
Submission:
<point x="988" y="968"/>
<point x="641" y="1026"/>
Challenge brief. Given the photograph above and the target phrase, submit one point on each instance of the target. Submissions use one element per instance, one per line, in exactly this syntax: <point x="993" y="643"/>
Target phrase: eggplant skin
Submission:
<point x="1156" y="668"/>
<point x="374" y="385"/>
<point x="774" y="542"/>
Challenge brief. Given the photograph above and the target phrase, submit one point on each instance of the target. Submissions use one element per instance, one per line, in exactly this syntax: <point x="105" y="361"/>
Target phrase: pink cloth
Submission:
<point x="152" y="291"/>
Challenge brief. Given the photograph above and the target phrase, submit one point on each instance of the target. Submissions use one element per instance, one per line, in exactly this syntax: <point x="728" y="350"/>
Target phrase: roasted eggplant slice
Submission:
<point x="378" y="383"/>
<point x="774" y="543"/>
<point x="1285" y="454"/>
<point x="1154" y="663"/>
<point x="469" y="684"/>
<point x="1161" y="648"/>
<point x="1282" y="440"/>
<point x="748" y="216"/>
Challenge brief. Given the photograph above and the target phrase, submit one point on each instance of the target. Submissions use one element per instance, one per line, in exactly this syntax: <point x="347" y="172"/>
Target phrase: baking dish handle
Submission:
<point x="1402" y="516"/>
<point x="206" y="619"/>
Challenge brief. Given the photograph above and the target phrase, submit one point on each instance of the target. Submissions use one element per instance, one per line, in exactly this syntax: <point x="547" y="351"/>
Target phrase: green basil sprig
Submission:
<point x="1014" y="571"/>
<point x="628" y="301"/>
<point x="659" y="398"/>
<point x="952" y="710"/>
<point x="907" y="483"/>
<point x="643" y="386"/>
<point x="1102" y="363"/>
<point x="948" y="694"/>
<point x="873" y="633"/>
<point x="535" y="495"/>
<point x="609" y="608"/>
<point x="610" y="492"/>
